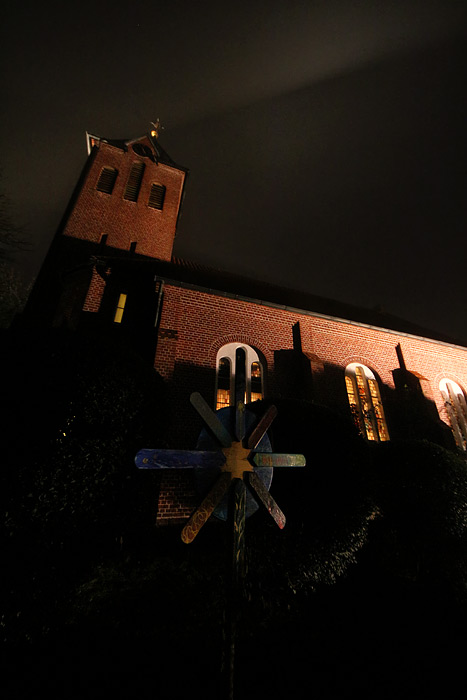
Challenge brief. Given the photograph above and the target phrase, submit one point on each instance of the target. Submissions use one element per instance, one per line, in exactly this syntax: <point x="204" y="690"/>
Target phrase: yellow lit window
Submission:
<point x="365" y="403"/>
<point x="120" y="308"/>
<point x="256" y="392"/>
<point x="456" y="409"/>
<point x="223" y="383"/>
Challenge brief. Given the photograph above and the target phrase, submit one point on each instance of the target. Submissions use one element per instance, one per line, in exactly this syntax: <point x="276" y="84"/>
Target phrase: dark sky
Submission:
<point x="326" y="140"/>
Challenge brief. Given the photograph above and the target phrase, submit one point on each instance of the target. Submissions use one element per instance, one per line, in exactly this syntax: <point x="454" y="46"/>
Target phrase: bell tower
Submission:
<point x="129" y="198"/>
<point x="125" y="208"/>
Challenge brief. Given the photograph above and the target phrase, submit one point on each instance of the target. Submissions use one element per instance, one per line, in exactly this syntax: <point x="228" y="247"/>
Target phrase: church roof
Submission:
<point x="193" y="275"/>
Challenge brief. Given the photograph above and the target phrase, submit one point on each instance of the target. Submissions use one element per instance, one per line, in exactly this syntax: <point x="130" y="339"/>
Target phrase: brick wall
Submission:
<point x="196" y="324"/>
<point x="96" y="213"/>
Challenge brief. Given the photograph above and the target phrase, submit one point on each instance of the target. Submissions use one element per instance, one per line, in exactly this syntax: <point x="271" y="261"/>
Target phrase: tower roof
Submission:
<point x="148" y="145"/>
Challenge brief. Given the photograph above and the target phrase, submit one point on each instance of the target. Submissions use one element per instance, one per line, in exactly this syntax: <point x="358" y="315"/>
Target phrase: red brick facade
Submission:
<point x="124" y="222"/>
<point x="194" y="322"/>
<point x="201" y="323"/>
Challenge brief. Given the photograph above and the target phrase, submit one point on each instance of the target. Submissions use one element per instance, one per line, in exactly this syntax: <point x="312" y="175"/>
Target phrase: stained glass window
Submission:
<point x="456" y="409"/>
<point x="365" y="402"/>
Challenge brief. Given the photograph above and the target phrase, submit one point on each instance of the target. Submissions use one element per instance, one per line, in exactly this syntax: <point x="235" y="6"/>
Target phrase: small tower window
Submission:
<point x="156" y="196"/>
<point x="120" y="308"/>
<point x="132" y="246"/>
<point x="134" y="182"/>
<point x="106" y="180"/>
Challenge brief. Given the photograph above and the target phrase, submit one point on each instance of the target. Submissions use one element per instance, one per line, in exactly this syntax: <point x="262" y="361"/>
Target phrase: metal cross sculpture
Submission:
<point x="235" y="457"/>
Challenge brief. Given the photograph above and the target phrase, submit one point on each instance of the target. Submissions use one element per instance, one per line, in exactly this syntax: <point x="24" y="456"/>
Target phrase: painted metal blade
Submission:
<point x="277" y="459"/>
<point x="205" y="509"/>
<point x="240" y="388"/>
<point x="255" y="483"/>
<point x="262" y="427"/>
<point x="238" y="505"/>
<point x="178" y="459"/>
<point x="211" y="420"/>
<point x="240" y="428"/>
<point x="240" y="375"/>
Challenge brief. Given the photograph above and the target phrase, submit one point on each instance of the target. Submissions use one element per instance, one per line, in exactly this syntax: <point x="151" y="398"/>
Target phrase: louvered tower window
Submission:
<point x="157" y="196"/>
<point x="106" y="180"/>
<point x="134" y="182"/>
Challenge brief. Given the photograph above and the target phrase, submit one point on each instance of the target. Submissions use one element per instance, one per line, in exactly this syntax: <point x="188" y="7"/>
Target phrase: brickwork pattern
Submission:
<point x="95" y="291"/>
<point x="200" y="323"/>
<point x="96" y="213"/>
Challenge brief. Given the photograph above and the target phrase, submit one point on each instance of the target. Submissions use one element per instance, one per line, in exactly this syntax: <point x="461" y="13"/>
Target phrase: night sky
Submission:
<point x="326" y="140"/>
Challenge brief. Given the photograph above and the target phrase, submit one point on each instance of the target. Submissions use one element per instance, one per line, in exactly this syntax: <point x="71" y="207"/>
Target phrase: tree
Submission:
<point x="13" y="291"/>
<point x="12" y="236"/>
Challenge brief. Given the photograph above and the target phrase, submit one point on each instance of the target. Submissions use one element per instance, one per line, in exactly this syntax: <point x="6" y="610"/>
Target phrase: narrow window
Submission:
<point x="365" y="402"/>
<point x="256" y="382"/>
<point x="134" y="182"/>
<point x="106" y="180"/>
<point x="103" y="240"/>
<point x="456" y="408"/>
<point x="120" y="308"/>
<point x="156" y="196"/>
<point x="223" y="383"/>
<point x="132" y="246"/>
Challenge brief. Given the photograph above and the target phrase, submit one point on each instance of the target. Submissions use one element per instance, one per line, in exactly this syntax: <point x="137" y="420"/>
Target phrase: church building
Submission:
<point x="111" y="267"/>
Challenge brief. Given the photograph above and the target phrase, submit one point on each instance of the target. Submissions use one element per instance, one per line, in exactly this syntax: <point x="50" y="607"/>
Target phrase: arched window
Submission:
<point x="365" y="402"/>
<point x="225" y="371"/>
<point x="456" y="408"/>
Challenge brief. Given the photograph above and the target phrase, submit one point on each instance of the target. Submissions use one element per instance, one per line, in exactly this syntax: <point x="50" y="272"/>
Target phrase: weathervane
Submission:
<point x="156" y="127"/>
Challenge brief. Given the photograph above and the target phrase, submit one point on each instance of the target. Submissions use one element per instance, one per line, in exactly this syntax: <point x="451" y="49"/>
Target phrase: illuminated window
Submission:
<point x="365" y="402"/>
<point x="106" y="180"/>
<point x="156" y="196"/>
<point x="226" y="375"/>
<point x="456" y="408"/>
<point x="120" y="308"/>
<point x="134" y="182"/>
<point x="256" y="382"/>
<point x="223" y="382"/>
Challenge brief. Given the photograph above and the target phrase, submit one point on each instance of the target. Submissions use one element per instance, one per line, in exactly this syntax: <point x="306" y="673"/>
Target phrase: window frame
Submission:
<point x="162" y="190"/>
<point x="455" y="405"/>
<point x="107" y="179"/>
<point x="227" y="352"/>
<point x="366" y="405"/>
